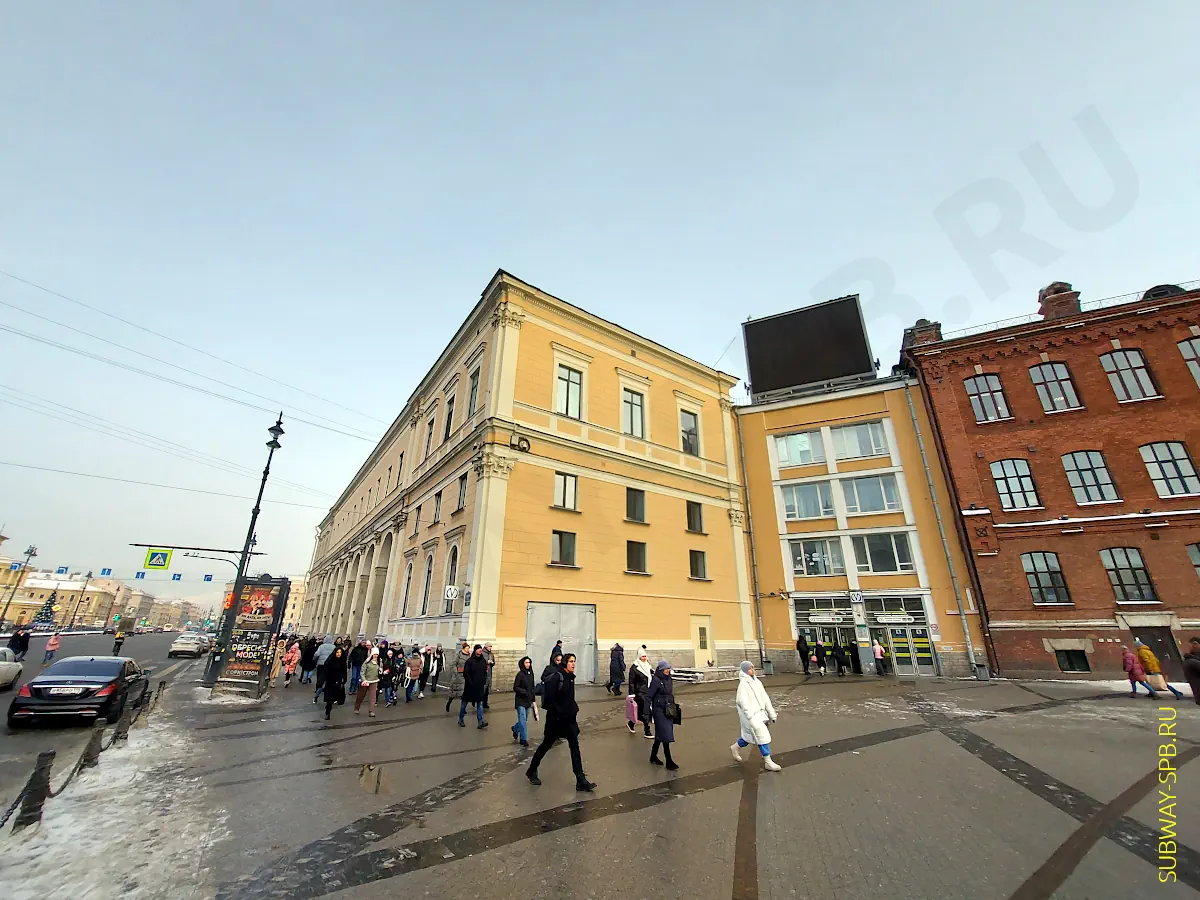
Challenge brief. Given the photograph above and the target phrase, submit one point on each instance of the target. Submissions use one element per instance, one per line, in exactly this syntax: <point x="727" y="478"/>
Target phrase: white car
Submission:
<point x="10" y="669"/>
<point x="188" y="645"/>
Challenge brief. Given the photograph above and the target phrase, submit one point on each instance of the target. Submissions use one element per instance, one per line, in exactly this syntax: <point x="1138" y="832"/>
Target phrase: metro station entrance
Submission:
<point x="909" y="649"/>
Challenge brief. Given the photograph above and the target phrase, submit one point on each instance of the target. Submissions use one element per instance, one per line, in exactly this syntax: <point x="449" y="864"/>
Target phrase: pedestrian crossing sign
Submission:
<point x="176" y="577"/>
<point x="158" y="559"/>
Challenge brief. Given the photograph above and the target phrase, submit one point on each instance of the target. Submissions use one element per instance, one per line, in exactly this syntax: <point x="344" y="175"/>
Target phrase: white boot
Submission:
<point x="770" y="765"/>
<point x="737" y="752"/>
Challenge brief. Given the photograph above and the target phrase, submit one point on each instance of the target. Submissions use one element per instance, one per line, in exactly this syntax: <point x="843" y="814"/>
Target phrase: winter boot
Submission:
<point x="737" y="752"/>
<point x="770" y="765"/>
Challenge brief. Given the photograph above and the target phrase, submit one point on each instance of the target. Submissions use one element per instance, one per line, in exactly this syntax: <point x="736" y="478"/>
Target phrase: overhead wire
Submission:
<point x="187" y="346"/>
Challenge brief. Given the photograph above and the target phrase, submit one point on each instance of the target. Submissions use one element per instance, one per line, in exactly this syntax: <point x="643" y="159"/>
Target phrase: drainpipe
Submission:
<point x="937" y="512"/>
<point x="762" y="646"/>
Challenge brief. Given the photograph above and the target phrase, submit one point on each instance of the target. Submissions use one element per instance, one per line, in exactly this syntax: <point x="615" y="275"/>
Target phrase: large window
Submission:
<point x="635" y="504"/>
<point x="1054" y="387"/>
<point x="633" y="413"/>
<point x="689" y="432"/>
<point x="883" y="553"/>
<point x="462" y="492"/>
<point x="1128" y="575"/>
<point x="800" y="449"/>
<point x="429" y="437"/>
<point x="416" y="521"/>
<point x="437" y="508"/>
<point x="570" y="392"/>
<point x="986" y="394"/>
<point x="874" y="493"/>
<point x="449" y="426"/>
<point x="1089" y="478"/>
<point x="1170" y="468"/>
<point x="818" y="557"/>
<point x="695" y="516"/>
<point x="858" y="441"/>
<point x="451" y="579"/>
<point x="428" y="584"/>
<point x="807" y="501"/>
<point x="473" y="394"/>
<point x="1014" y="484"/>
<point x="562" y="548"/>
<point x="1191" y="355"/>
<point x="635" y="556"/>
<point x="1129" y="375"/>
<point x="1045" y="577"/>
<point x="698" y="564"/>
<point x="566" y="491"/>
<point x="1194" y="556"/>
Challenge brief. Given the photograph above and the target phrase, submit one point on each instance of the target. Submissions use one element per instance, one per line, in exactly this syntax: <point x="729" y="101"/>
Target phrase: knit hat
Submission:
<point x="746" y="666"/>
<point x="662" y="664"/>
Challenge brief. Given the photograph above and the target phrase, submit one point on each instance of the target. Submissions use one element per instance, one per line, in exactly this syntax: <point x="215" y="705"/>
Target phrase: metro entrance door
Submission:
<point x="912" y="651"/>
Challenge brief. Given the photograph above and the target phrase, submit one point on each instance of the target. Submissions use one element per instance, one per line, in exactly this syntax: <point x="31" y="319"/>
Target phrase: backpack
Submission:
<point x="554" y="677"/>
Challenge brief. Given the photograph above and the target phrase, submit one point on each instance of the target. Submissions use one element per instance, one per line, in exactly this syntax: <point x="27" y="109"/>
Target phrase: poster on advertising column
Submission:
<point x="247" y="664"/>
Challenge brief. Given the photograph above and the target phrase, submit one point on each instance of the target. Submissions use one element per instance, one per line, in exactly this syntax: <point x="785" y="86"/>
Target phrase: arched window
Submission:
<point x="428" y="584"/>
<point x="407" y="585"/>
<point x="1054" y="386"/>
<point x="1128" y="575"/>
<point x="1129" y="375"/>
<point x="986" y="394"/>
<point x="1045" y="577"/>
<point x="1014" y="484"/>
<point x="451" y="578"/>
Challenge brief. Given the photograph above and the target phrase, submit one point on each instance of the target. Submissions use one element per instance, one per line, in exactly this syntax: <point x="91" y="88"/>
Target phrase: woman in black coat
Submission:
<point x="839" y="658"/>
<point x="475" y="676"/>
<point x="819" y="650"/>
<point x="523" y="699"/>
<point x="335" y="680"/>
<point x="662" y="694"/>
<point x="616" y="669"/>
<point x="639" y="684"/>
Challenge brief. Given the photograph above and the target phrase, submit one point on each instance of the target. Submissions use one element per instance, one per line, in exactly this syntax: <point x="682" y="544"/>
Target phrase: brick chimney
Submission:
<point x="923" y="332"/>
<point x="1057" y="300"/>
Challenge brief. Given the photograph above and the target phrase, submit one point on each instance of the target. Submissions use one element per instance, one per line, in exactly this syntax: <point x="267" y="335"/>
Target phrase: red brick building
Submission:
<point x="1072" y="441"/>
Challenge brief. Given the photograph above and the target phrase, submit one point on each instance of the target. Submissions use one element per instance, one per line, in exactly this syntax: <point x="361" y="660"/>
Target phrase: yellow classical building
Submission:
<point x="554" y="476"/>
<point x="848" y="545"/>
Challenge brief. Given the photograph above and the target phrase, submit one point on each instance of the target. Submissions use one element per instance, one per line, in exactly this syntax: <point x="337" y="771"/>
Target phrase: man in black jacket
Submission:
<point x="561" y="722"/>
<point x="805" y="653"/>
<point x="358" y="656"/>
<point x="475" y="676"/>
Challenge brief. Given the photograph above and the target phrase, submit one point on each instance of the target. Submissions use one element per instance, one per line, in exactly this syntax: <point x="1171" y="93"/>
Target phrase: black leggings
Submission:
<point x="666" y="750"/>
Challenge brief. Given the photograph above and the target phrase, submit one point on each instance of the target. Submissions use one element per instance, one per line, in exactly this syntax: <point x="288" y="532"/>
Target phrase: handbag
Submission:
<point x="1157" y="681"/>
<point x="631" y="710"/>
<point x="674" y="712"/>
<point x="813" y="659"/>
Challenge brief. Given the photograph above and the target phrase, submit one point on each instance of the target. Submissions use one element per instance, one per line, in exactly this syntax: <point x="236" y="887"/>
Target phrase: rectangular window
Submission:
<point x="449" y="426"/>
<point x="986" y="394"/>
<point x="1054" y="387"/>
<point x="817" y="557"/>
<point x="633" y="413"/>
<point x="566" y="488"/>
<point x="1191" y="355"/>
<point x="1129" y="375"/>
<point x="389" y="481"/>
<point x="800" y="449"/>
<point x="1170" y="468"/>
<point x="562" y="548"/>
<point x="1045" y="578"/>
<point x="462" y="491"/>
<point x="883" y="553"/>
<point x="698" y="563"/>
<point x="874" y="493"/>
<point x="1089" y="478"/>
<point x="859" y="441"/>
<point x="399" y="469"/>
<point x="1128" y="575"/>
<point x="437" y="508"/>
<point x="807" y="501"/>
<point x="1072" y="661"/>
<point x="429" y="437"/>
<point x="635" y="556"/>
<point x="689" y="431"/>
<point x="695" y="516"/>
<point x="635" y="505"/>
<point x="416" y="521"/>
<point x="570" y="392"/>
<point x="1194" y="556"/>
<point x="1014" y="484"/>
<point x="473" y="394"/>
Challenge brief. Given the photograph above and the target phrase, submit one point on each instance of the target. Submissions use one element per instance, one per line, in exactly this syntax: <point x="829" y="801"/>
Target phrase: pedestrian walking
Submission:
<point x="491" y="664"/>
<point x="358" y="656"/>
<point x="1135" y="671"/>
<point x="523" y="698"/>
<point x="1191" y="667"/>
<point x="415" y="668"/>
<point x="802" y="649"/>
<point x="853" y="663"/>
<point x="118" y="640"/>
<point x="332" y="677"/>
<point x="324" y="653"/>
<point x="308" y="660"/>
<point x="433" y="662"/>
<point x="18" y="643"/>
<point x="819" y="653"/>
<point x="562" y="722"/>
<point x="616" y="670"/>
<point x="639" y="684"/>
<point x="277" y="660"/>
<point x="368" y="683"/>
<point x="662" y="705"/>
<point x="474" y="690"/>
<point x="52" y="646"/>
<point x="389" y="671"/>
<point x="839" y="658"/>
<point x="291" y="659"/>
<point x="877" y="652"/>
<point x="754" y="711"/>
<point x="456" y="674"/>
<point x="1150" y="663"/>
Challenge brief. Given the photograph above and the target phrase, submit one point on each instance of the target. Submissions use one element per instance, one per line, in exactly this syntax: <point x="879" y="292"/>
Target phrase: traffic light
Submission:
<point x="117" y="617"/>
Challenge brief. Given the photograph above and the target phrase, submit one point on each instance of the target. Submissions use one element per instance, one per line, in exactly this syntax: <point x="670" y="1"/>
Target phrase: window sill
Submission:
<point x="996" y="421"/>
<point x="632" y="572"/>
<point x="1057" y="412"/>
<point x="1178" y="496"/>
<point x="1021" y="509"/>
<point x="563" y="508"/>
<point x="841" y="574"/>
<point x="457" y="511"/>
<point x="810" y="518"/>
<point x="636" y="521"/>
<point x="1139" y="603"/>
<point x="1098" y="502"/>
<point x="694" y="578"/>
<point x="873" y="512"/>
<point x="885" y="454"/>
<point x="898" y="572"/>
<point x="1039" y="605"/>
<point x="554" y="565"/>
<point x="690" y="531"/>
<point x="1141" y="399"/>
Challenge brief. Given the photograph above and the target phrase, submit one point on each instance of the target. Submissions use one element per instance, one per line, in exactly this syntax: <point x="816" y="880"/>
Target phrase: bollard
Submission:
<point x="91" y="753"/>
<point x="37" y="789"/>
<point x="123" y="723"/>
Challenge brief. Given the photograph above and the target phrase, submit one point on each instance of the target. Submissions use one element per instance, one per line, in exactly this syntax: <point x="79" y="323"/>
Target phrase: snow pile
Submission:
<point x="209" y="697"/>
<point x="131" y="828"/>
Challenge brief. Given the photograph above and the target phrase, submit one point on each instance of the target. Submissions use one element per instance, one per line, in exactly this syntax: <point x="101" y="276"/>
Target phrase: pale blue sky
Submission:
<point x="320" y="191"/>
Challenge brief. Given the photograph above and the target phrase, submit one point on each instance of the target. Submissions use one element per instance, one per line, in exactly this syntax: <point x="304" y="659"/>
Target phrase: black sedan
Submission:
<point x="81" y="687"/>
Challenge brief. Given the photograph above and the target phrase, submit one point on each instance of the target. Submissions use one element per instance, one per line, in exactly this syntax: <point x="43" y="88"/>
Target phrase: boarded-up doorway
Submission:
<point x="573" y="623"/>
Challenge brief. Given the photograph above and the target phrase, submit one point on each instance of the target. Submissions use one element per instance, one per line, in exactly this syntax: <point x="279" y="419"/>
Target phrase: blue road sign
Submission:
<point x="62" y="570"/>
<point x="176" y="577"/>
<point x="105" y="572"/>
<point x="208" y="578"/>
<point x="16" y="567"/>
<point x="140" y="575"/>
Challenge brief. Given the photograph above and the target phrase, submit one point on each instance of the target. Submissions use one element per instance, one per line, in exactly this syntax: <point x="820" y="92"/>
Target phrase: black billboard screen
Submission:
<point x="815" y="344"/>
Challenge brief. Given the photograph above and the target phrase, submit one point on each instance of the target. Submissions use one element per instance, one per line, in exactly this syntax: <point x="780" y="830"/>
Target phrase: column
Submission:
<point x="491" y="497"/>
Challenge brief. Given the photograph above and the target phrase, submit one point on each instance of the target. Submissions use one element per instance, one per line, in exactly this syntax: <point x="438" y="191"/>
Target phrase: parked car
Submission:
<point x="194" y="645"/>
<point x="82" y="687"/>
<point x="108" y="629"/>
<point x="10" y="669"/>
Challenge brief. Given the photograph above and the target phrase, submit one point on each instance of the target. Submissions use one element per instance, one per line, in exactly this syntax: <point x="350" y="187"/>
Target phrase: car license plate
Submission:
<point x="65" y="691"/>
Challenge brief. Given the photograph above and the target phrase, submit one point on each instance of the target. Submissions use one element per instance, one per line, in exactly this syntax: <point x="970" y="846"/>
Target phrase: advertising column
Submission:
<point x="247" y="664"/>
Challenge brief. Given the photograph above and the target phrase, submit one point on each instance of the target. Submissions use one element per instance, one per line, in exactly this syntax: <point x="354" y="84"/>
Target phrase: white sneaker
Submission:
<point x="770" y="765"/>
<point x="420" y="696"/>
<point x="736" y="751"/>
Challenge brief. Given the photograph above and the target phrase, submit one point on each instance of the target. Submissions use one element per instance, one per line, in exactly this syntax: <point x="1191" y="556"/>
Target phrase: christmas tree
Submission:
<point x="45" y="615"/>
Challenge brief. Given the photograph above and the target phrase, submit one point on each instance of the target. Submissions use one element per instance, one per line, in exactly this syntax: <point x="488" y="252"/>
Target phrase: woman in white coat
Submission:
<point x="754" y="711"/>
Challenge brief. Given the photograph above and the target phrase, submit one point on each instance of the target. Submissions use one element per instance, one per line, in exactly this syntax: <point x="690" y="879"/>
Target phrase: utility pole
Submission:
<point x="225" y="633"/>
<point x="29" y="554"/>
<point x="79" y="600"/>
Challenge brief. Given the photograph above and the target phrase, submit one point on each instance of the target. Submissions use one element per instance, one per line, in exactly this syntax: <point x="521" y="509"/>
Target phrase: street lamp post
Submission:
<point x="29" y="554"/>
<point x="225" y="634"/>
<point x="79" y="599"/>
